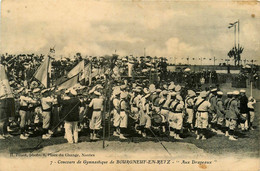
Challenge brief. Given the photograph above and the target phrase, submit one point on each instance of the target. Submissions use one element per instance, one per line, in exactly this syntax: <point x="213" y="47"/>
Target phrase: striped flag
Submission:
<point x="5" y="89"/>
<point x="69" y="83"/>
<point x="76" y="70"/>
<point x="42" y="73"/>
<point x="88" y="73"/>
<point x="7" y="103"/>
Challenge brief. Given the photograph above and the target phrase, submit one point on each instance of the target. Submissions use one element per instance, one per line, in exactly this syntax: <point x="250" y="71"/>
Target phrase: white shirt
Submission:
<point x="47" y="102"/>
<point x="97" y="103"/>
<point x="203" y="106"/>
<point x="251" y="104"/>
<point x="24" y="100"/>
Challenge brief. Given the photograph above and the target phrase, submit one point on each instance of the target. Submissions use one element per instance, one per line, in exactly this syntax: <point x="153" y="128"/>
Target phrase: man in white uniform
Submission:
<point x="95" y="122"/>
<point x="203" y="107"/>
<point x="46" y="103"/>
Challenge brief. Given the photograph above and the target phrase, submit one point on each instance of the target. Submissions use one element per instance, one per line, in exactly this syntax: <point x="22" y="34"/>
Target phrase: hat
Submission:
<point x="116" y="92"/>
<point x="198" y="92"/>
<point x="250" y="98"/>
<point x="137" y="90"/>
<point x="203" y="94"/>
<point x="20" y="90"/>
<point x="148" y="64"/>
<point x="123" y="95"/>
<point x="99" y="86"/>
<point x="229" y="93"/>
<point x="171" y="86"/>
<point x="139" y="87"/>
<point x="235" y="92"/>
<point x="28" y="90"/>
<point x="191" y="93"/>
<point x="178" y="97"/>
<point x="220" y="93"/>
<point x="165" y="86"/>
<point x="173" y="93"/>
<point x="44" y="91"/>
<point x="242" y="91"/>
<point x="123" y="87"/>
<point x="178" y="88"/>
<point x="146" y="91"/>
<point x="213" y="90"/>
<point x="36" y="90"/>
<point x="97" y="93"/>
<point x="158" y="90"/>
<point x="73" y="92"/>
<point x="164" y="92"/>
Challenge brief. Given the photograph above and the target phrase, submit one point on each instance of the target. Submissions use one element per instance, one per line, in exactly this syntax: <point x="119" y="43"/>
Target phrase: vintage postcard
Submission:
<point x="129" y="85"/>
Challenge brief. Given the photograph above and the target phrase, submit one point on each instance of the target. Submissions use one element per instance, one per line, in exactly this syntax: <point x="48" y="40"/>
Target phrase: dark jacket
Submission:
<point x="243" y="104"/>
<point x="70" y="109"/>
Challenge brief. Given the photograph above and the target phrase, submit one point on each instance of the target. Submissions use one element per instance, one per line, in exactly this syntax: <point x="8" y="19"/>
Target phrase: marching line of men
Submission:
<point x="151" y="108"/>
<point x="201" y="111"/>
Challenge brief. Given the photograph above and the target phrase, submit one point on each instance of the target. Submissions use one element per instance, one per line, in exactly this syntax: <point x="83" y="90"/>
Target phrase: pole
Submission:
<point x="235" y="35"/>
<point x="109" y="109"/>
<point x="238" y="42"/>
<point x="251" y="88"/>
<point x="238" y="32"/>
<point x="104" y="117"/>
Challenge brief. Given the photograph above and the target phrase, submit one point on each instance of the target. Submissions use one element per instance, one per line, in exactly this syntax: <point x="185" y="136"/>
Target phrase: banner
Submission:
<point x="130" y="69"/>
<point x="42" y="72"/>
<point x="5" y="89"/>
<point x="69" y="83"/>
<point x="7" y="104"/>
<point x="76" y="70"/>
<point x="87" y="73"/>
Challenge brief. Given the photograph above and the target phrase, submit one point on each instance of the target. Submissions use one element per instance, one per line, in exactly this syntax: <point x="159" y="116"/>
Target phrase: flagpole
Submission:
<point x="238" y="41"/>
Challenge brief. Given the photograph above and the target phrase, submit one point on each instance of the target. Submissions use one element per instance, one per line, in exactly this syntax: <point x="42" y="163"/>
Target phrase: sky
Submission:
<point x="174" y="29"/>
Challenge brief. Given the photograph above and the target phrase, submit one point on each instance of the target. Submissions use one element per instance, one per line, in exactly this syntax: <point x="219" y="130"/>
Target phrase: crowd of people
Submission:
<point x="133" y="106"/>
<point x="142" y="108"/>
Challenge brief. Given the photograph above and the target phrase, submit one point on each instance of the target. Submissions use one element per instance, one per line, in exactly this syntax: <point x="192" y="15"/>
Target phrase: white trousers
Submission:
<point x="71" y="131"/>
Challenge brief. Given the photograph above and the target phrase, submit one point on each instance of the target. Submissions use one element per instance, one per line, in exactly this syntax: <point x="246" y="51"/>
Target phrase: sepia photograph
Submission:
<point x="129" y="85"/>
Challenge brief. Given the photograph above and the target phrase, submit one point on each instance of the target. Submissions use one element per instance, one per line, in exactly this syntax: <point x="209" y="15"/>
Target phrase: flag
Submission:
<point x="7" y="102"/>
<point x="49" y="69"/>
<point x="94" y="72"/>
<point x="42" y="72"/>
<point x="231" y="24"/>
<point x="76" y="70"/>
<point x="87" y="73"/>
<point x="5" y="89"/>
<point x="130" y="69"/>
<point x="69" y="83"/>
